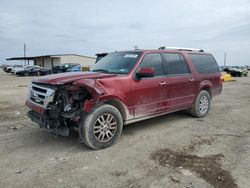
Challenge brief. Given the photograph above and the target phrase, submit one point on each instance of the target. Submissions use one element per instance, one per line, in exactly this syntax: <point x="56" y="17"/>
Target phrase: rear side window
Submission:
<point x="204" y="63"/>
<point x="175" y="64"/>
<point x="153" y="61"/>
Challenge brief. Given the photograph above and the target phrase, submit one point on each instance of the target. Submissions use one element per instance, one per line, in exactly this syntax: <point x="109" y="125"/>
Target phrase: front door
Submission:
<point x="148" y="92"/>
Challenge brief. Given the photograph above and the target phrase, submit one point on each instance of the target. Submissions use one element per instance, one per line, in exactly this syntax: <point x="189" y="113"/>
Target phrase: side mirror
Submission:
<point x="145" y="72"/>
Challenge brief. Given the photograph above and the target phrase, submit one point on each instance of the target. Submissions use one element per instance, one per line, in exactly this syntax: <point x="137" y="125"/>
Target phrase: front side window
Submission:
<point x="175" y="64"/>
<point x="117" y="62"/>
<point x="153" y="61"/>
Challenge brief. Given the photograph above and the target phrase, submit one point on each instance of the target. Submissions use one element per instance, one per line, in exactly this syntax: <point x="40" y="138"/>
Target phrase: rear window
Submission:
<point x="204" y="63"/>
<point x="175" y="64"/>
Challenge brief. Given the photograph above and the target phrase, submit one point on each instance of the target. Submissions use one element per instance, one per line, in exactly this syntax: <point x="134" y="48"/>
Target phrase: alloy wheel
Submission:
<point x="105" y="127"/>
<point x="203" y="104"/>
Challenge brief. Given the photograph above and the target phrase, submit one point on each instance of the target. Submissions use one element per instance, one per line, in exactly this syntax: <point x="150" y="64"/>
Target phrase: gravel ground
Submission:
<point x="174" y="150"/>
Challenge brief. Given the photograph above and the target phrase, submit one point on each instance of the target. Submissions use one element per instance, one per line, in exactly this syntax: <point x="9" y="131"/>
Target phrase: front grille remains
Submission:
<point x="41" y="95"/>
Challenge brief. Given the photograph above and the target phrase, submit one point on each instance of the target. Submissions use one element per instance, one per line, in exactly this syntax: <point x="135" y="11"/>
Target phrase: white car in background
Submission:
<point x="9" y="68"/>
<point x="16" y="68"/>
<point x="19" y="69"/>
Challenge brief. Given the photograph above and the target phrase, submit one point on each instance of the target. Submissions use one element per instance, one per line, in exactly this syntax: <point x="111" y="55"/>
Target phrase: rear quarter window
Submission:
<point x="204" y="63"/>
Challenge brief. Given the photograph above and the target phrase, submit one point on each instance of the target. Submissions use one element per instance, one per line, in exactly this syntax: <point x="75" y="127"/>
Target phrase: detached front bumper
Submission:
<point x="33" y="106"/>
<point x="41" y="113"/>
<point x="44" y="122"/>
<point x="41" y="120"/>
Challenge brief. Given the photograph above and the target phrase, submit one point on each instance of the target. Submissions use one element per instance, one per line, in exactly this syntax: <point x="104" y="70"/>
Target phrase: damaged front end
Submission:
<point x="58" y="108"/>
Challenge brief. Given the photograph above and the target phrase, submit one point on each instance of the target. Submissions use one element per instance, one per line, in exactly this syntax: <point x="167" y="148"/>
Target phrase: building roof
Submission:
<point x="45" y="56"/>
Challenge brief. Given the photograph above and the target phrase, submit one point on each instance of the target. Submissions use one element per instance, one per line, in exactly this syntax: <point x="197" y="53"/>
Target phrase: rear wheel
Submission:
<point x="201" y="105"/>
<point x="102" y="127"/>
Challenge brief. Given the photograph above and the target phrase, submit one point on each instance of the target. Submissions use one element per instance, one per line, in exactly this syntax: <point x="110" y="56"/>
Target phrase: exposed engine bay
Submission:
<point x="62" y="105"/>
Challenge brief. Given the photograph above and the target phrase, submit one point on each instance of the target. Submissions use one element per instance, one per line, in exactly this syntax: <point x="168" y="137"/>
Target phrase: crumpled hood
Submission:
<point x="63" y="78"/>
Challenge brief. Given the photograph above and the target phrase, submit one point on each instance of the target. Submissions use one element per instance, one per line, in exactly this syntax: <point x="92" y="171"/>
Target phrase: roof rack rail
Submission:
<point x="181" y="49"/>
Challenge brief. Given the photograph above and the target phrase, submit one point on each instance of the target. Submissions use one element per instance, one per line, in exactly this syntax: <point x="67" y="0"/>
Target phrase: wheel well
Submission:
<point x="119" y="106"/>
<point x="208" y="90"/>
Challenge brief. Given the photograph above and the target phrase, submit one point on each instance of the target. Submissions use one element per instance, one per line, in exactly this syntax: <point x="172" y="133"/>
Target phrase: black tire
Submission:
<point x="200" y="111"/>
<point x="90" y="121"/>
<point x="26" y="74"/>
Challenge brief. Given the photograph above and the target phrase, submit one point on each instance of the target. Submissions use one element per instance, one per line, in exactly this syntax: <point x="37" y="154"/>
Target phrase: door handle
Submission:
<point x="191" y="79"/>
<point x="162" y="83"/>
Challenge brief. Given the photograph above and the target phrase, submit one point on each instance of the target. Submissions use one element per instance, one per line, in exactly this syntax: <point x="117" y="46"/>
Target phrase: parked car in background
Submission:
<point x="74" y="69"/>
<point x="123" y="88"/>
<point x="21" y="69"/>
<point x="236" y="71"/>
<point x="63" y="67"/>
<point x="5" y="68"/>
<point x="9" y="68"/>
<point x="34" y="71"/>
<point x="2" y="66"/>
<point x="16" y="69"/>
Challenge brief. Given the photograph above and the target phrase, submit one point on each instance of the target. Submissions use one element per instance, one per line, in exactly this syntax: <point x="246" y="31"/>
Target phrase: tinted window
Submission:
<point x="175" y="64"/>
<point x="204" y="63"/>
<point x="153" y="61"/>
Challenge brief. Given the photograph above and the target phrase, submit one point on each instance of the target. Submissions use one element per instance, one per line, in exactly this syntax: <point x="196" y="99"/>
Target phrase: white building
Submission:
<point x="48" y="61"/>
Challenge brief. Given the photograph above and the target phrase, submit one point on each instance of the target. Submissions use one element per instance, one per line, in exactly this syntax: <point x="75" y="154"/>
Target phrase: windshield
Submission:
<point x="117" y="62"/>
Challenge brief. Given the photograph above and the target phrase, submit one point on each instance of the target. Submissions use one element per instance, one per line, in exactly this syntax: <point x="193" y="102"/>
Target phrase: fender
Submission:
<point x="205" y="85"/>
<point x="94" y="89"/>
<point x="91" y="85"/>
<point x="99" y="95"/>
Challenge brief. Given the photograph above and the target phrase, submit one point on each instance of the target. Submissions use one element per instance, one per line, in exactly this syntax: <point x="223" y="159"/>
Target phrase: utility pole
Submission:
<point x="225" y="58"/>
<point x="24" y="52"/>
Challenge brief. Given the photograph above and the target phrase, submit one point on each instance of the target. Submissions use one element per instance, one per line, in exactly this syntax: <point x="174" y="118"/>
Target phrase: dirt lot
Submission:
<point x="175" y="150"/>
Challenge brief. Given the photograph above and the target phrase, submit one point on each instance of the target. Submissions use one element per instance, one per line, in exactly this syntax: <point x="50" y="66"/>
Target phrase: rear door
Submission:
<point x="180" y="83"/>
<point x="148" y="93"/>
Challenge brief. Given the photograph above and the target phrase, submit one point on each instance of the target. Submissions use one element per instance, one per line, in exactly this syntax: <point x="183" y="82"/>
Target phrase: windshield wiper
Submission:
<point x="100" y="70"/>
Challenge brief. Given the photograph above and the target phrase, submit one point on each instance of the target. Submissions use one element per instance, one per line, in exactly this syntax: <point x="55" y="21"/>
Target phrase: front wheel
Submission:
<point x="102" y="127"/>
<point x="201" y="105"/>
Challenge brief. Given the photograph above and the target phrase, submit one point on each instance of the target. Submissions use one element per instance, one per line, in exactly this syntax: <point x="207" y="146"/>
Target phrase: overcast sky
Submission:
<point x="88" y="27"/>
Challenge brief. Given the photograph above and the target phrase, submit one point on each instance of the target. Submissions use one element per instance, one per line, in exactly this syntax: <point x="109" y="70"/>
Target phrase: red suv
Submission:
<point x="122" y="88"/>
